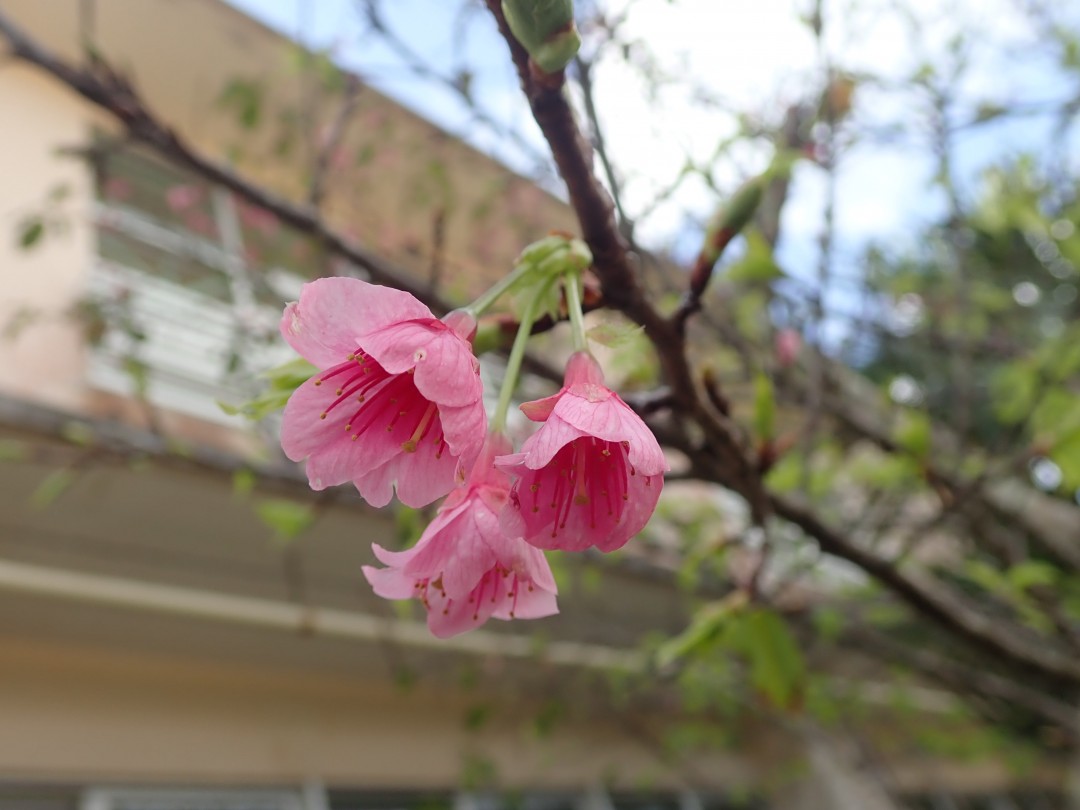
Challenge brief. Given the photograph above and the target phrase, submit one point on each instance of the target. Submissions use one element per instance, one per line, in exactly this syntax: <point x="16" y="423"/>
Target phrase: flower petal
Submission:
<point x="613" y="421"/>
<point x="456" y="552"/>
<point x="389" y="583"/>
<point x="540" y="448"/>
<point x="334" y="313"/>
<point x="534" y="604"/>
<point x="464" y="429"/>
<point x="446" y="371"/>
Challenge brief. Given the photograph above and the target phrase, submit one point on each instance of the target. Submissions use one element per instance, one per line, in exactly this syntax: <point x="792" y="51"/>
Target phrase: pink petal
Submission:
<point x="531" y="563"/>
<point x="454" y="551"/>
<point x="534" y="604"/>
<point x="394" y="559"/>
<point x="389" y="583"/>
<point x="582" y="369"/>
<point x="613" y="421"/>
<point x="446" y="371"/>
<point x="639" y="508"/>
<point x="540" y="409"/>
<point x="453" y="617"/>
<point x="553" y="436"/>
<point x="334" y="456"/>
<point x="334" y="313"/>
<point x="464" y="428"/>
<point x="420" y="478"/>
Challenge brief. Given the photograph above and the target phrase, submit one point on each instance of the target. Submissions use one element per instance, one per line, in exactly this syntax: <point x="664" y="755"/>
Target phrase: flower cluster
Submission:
<point x="397" y="406"/>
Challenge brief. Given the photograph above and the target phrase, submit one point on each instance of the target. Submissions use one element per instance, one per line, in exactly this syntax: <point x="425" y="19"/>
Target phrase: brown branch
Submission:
<point x="613" y="266"/>
<point x="1050" y="529"/>
<point x="931" y="600"/>
<point x="966" y="679"/>
<point x="584" y="73"/>
<point x="334" y="133"/>
<point x="722" y="459"/>
<point x="700" y="275"/>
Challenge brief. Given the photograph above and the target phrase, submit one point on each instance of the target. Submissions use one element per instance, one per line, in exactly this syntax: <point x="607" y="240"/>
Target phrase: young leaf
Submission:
<point x="777" y="668"/>
<point x="764" y="408"/>
<point x="287" y="518"/>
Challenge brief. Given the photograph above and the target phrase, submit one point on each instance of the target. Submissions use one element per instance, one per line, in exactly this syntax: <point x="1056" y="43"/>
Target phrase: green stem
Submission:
<point x="517" y="354"/>
<point x="572" y="283"/>
<point x="477" y="307"/>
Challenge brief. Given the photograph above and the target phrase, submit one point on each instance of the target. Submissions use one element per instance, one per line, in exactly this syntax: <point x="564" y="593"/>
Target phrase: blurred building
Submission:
<point x="164" y="643"/>
<point x="159" y="648"/>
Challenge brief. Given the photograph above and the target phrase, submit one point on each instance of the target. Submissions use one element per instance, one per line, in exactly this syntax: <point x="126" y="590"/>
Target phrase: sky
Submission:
<point x="750" y="56"/>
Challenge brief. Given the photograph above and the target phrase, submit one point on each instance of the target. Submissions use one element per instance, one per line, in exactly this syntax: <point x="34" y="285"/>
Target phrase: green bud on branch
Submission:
<point x="546" y="29"/>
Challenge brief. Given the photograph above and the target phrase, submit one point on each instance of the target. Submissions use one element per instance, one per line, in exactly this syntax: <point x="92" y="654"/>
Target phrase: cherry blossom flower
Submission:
<point x="787" y="345"/>
<point x="464" y="569"/>
<point x="591" y="475"/>
<point x="399" y="399"/>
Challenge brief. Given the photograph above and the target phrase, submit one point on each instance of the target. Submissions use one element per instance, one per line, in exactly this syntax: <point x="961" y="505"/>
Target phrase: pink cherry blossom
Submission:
<point x="464" y="569"/>
<point x="787" y="345"/>
<point x="592" y="473"/>
<point x="399" y="399"/>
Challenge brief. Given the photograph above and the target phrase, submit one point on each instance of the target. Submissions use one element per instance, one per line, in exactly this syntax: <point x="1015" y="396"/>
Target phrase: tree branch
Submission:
<point x="931" y="600"/>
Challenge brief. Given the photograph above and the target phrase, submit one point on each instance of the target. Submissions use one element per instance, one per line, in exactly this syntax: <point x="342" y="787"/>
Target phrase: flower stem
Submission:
<point x="572" y="283"/>
<point x="517" y="354"/>
<point x="477" y="307"/>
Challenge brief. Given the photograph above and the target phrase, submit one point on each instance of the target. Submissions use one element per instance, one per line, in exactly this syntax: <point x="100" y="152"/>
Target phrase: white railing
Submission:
<point x="191" y="349"/>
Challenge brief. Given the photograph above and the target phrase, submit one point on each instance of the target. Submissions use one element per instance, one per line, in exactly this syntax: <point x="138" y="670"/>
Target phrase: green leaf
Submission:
<point x="1057" y="416"/>
<point x="886" y="472"/>
<point x="706" y="625"/>
<point x="764" y="408"/>
<point x="78" y="433"/>
<point x="614" y="334"/>
<point x="777" y="668"/>
<point x="476" y="717"/>
<point x="1066" y="454"/>
<point x="913" y="433"/>
<point x="1013" y="389"/>
<point x="829" y="622"/>
<point x="52" y="487"/>
<point x="757" y="265"/>
<point x="287" y="518"/>
<point x="30" y="232"/>
<point x="548" y="717"/>
<point x="1031" y="574"/>
<point x="282" y="380"/>
<point x="243" y="482"/>
<point x="787" y="474"/>
<point x="13" y="450"/>
<point x="245" y="98"/>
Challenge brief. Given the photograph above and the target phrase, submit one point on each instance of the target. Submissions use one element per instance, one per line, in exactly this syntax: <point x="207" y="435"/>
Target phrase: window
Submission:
<point x="163" y="799"/>
<point x="186" y="290"/>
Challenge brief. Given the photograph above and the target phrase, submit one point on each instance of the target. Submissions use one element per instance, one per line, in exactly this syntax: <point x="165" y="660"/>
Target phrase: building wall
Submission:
<point x="166" y="720"/>
<point x="44" y="362"/>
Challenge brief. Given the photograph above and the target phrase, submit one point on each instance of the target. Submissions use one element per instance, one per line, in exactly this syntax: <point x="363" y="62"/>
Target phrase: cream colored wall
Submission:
<point x="44" y="362"/>
<point x="74" y="714"/>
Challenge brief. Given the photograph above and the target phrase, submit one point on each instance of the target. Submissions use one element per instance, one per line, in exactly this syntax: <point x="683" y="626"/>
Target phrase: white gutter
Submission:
<point x="271" y="614"/>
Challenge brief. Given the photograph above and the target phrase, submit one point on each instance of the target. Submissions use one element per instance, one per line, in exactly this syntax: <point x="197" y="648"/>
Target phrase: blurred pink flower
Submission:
<point x="399" y="400"/>
<point x="117" y="189"/>
<point x="592" y="473"/>
<point x="788" y="344"/>
<point x="258" y="219"/>
<point x="464" y="569"/>
<point x="182" y="197"/>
